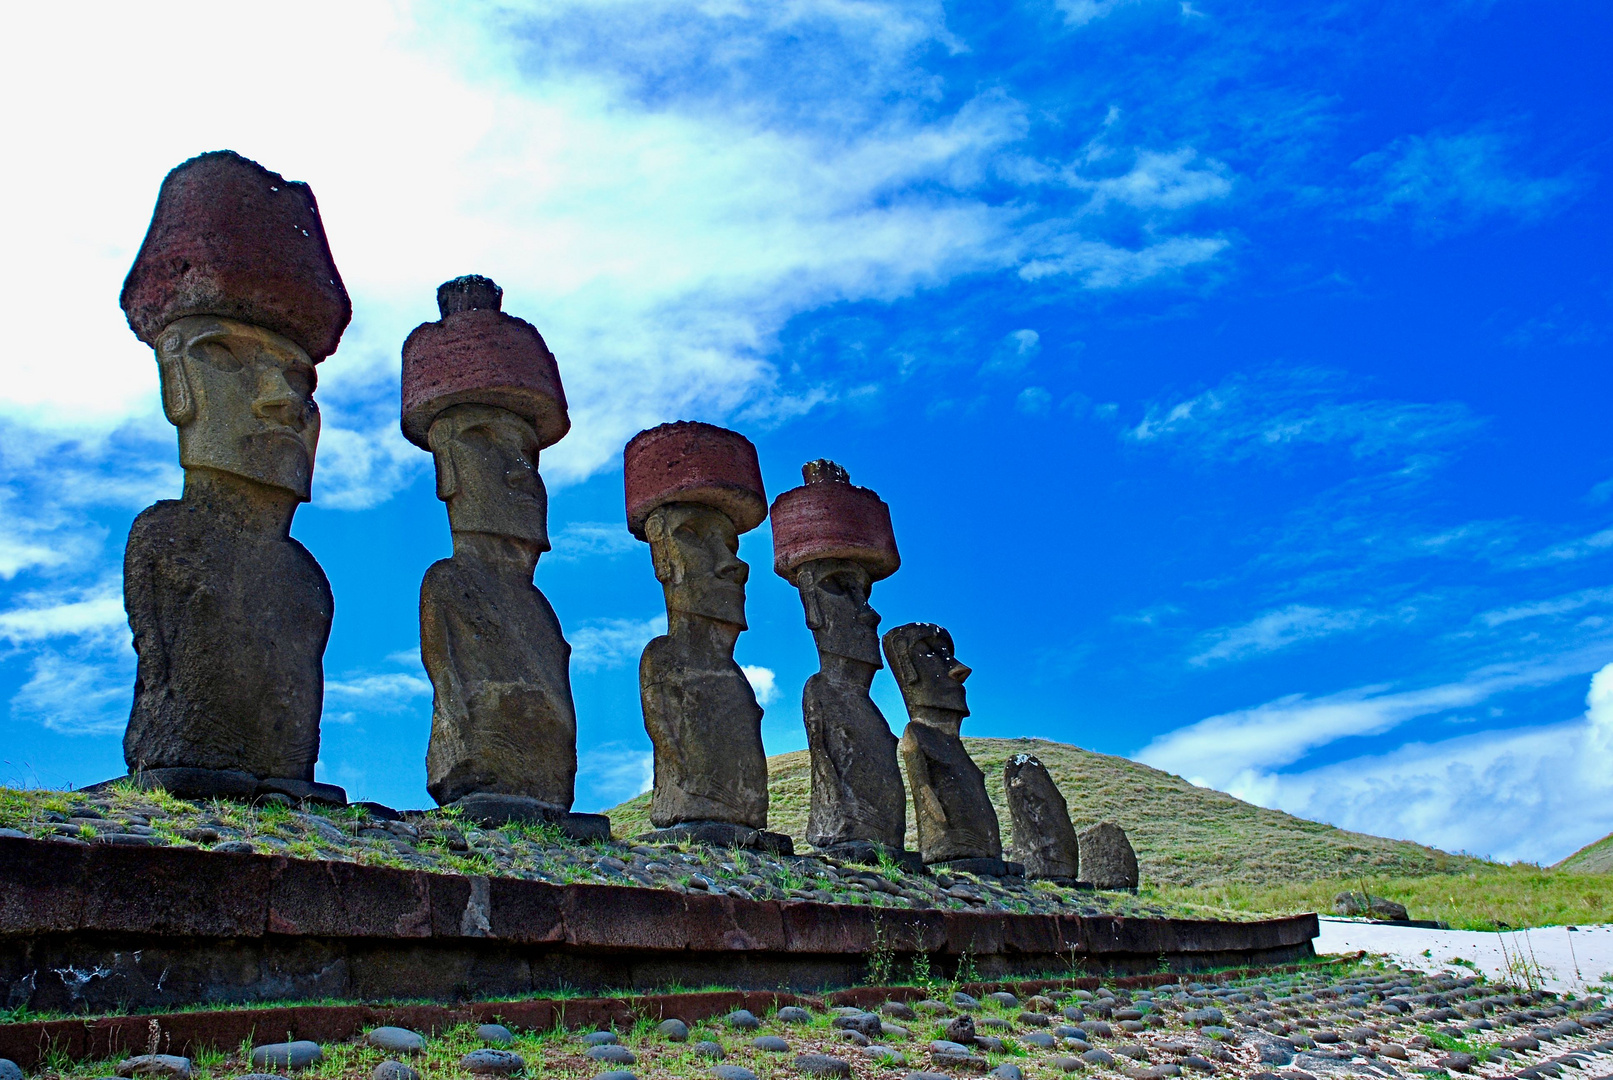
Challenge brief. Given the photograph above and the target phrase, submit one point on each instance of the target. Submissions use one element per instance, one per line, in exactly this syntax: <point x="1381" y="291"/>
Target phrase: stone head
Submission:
<point x="930" y="676"/>
<point x="696" y="553"/>
<point x="834" y="593"/>
<point x="242" y="398"/>
<point x="487" y="473"/>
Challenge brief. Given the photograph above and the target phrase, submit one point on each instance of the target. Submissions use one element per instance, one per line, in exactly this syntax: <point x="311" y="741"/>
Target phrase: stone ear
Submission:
<point x="178" y="401"/>
<point x="806" y="581"/>
<point x="655" y="531"/>
<point x="442" y="451"/>
<point x="901" y="661"/>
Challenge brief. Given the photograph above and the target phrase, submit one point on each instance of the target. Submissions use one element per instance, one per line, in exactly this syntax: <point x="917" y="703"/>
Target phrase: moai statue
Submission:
<point x="692" y="489"/>
<point x="1107" y="858"/>
<point x="482" y="392"/>
<point x="832" y="541"/>
<point x="236" y="291"/>
<point x="957" y="824"/>
<point x="1044" y="839"/>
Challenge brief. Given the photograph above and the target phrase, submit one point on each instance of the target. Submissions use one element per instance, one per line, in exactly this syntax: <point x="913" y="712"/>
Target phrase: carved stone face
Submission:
<point x="834" y="593"/>
<point x="696" y="552"/>
<point x="242" y="398"/>
<point x="487" y="473"/>
<point x="933" y="678"/>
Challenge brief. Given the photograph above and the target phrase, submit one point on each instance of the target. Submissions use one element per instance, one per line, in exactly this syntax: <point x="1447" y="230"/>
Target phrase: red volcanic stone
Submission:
<point x="230" y="238"/>
<point x="829" y="517"/>
<point x="479" y="355"/>
<point x="693" y="462"/>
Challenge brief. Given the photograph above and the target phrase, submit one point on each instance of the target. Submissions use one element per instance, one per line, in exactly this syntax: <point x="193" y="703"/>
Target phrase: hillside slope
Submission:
<point x="1594" y="858"/>
<point x="1184" y="835"/>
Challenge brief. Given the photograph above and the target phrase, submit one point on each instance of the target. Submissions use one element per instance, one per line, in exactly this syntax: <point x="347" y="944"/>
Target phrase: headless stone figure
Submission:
<point x="857" y="794"/>
<point x="1044" y="839"/>
<point x="502" y="719"/>
<point x="956" y="821"/>
<point x="230" y="615"/>
<point x="699" y="708"/>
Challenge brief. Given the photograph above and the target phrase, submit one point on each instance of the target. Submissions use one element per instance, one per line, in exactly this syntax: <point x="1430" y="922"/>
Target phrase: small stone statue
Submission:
<point x="692" y="489"/>
<point x="1044" y="839"/>
<point x="235" y="289"/>
<point x="482" y="391"/>
<point x="833" y="541"/>
<point x="957" y="824"/>
<point x="1107" y="858"/>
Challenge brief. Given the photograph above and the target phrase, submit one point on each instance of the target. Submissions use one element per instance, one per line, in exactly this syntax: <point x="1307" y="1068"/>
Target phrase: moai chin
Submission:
<point x="482" y="392"/>
<point x="957" y="824"/>
<point x="1044" y="839"/>
<point x="692" y="489"/>
<point x="832" y="541"/>
<point x="235" y="290"/>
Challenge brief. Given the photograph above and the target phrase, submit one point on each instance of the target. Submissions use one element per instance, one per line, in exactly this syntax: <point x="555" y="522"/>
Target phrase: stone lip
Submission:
<point x="230" y="238"/>
<point x="691" y="462"/>
<point x="832" y="519"/>
<point x="225" y="1029"/>
<point x="482" y="356"/>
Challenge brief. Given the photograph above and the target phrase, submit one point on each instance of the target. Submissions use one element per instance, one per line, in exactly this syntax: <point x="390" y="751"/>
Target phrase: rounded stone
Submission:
<point x="793" y="1014"/>
<point x="393" y="1070"/>
<point x="1098" y="1057"/>
<point x="771" y="1043"/>
<point x="673" y="1030"/>
<point x="898" y="1010"/>
<point x="691" y="462"/>
<point x="495" y="1034"/>
<point x="9" y="1070"/>
<point x="964" y="1001"/>
<point x="287" y="1055"/>
<point x="616" y="1074"/>
<point x="491" y="1062"/>
<point x="612" y="1054"/>
<point x="230" y="238"/>
<point x="396" y="1040"/>
<point x="1004" y="998"/>
<point x="170" y="1066"/>
<point x="706" y="1048"/>
<point x="1041" y="1039"/>
<point x="829" y="517"/>
<point x="822" y="1065"/>
<point x="732" y="1072"/>
<point x="1008" y="1071"/>
<point x="481" y="356"/>
<point x="600" y="1038"/>
<point x="743" y="1019"/>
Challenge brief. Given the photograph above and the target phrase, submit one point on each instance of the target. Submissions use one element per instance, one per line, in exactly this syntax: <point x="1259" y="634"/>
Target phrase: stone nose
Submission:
<point x="731" y="567"/>
<point x="959" y="671"/>
<point x="277" y="401"/>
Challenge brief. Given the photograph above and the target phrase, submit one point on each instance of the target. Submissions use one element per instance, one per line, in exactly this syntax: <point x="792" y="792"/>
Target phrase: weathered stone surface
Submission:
<point x="1107" y="859"/>
<point x="495" y="1034"/>
<point x="1044" y="839"/>
<point x="393" y="1070"/>
<point x="9" y="1070"/>
<point x="612" y="1054"/>
<point x="699" y="709"/>
<point x="230" y="615"/>
<point x="169" y="1066"/>
<point x="954" y="814"/>
<point x="396" y="1040"/>
<point x="822" y="1065"/>
<point x="230" y="238"/>
<point x="723" y="834"/>
<point x="492" y="1062"/>
<point x="673" y="1030"/>
<point x="287" y="1055"/>
<point x="1374" y="907"/>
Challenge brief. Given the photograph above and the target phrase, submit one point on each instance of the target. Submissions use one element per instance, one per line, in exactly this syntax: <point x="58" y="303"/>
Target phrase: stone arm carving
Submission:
<point x="141" y="604"/>
<point x="437" y="649"/>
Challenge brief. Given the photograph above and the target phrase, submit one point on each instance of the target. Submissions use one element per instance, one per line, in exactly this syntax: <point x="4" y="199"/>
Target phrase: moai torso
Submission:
<point x="1044" y="839"/>
<point x="954" y="814"/>
<point x="229" y="630"/>
<point x="502" y="718"/>
<point x="857" y="791"/>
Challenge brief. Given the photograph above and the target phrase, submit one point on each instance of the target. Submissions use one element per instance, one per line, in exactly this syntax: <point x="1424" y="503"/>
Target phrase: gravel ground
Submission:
<point x="1374" y="1022"/>
<point x="441" y="842"/>
<point x="1561" y="958"/>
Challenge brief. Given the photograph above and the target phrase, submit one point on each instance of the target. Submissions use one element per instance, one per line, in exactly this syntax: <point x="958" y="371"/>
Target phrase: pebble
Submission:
<point x="396" y="1040"/>
<point x="710" y="1050"/>
<point x="673" y="1030"/>
<point x="965" y="1001"/>
<point x="1098" y="1057"/>
<point x="771" y="1043"/>
<point x="287" y="1055"/>
<point x="1008" y="1071"/>
<point x="393" y="1070"/>
<point x="743" y="1019"/>
<point x="164" y="1065"/>
<point x="9" y="1070"/>
<point x="1004" y="998"/>
<point x="492" y="1062"/>
<point x="896" y="1010"/>
<point x="732" y="1072"/>
<point x="866" y="1023"/>
<point x="889" y="1054"/>
<point x="822" y="1065"/>
<point x="495" y="1034"/>
<point x="616" y="1074"/>
<point x="600" y="1038"/>
<point x="1041" y="1039"/>
<point x="793" y="1014"/>
<point x="611" y="1054"/>
<point x="1069" y="1064"/>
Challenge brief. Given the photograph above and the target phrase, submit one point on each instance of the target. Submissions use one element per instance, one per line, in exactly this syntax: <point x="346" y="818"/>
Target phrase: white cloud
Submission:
<point x="1238" y="749"/>
<point x="1160" y="181"/>
<point x="71" y="696"/>
<point x="614" y="772"/>
<point x="1081" y="12"/>
<point x="606" y="643"/>
<point x="1534" y="794"/>
<point x="392" y="690"/>
<point x="1278" y="629"/>
<point x="1016" y="350"/>
<point x="1560" y="605"/>
<point x="762" y="681"/>
<point x="1101" y="265"/>
<point x="585" y="539"/>
<point x="1034" y="401"/>
<point x="96" y="616"/>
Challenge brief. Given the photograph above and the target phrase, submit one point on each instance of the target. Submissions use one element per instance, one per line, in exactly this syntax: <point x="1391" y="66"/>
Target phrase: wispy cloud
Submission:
<point x="606" y="643"/>
<point x="1279" y="629"/>
<point x="614" y="772"/>
<point x="1449" y="182"/>
<point x="587" y="539"/>
<point x="96" y="615"/>
<point x="391" y="690"/>
<point x="763" y="681"/>
<point x="73" y="696"/>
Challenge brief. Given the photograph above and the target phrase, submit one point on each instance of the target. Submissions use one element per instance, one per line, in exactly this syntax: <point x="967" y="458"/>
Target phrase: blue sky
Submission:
<point x="1237" y="377"/>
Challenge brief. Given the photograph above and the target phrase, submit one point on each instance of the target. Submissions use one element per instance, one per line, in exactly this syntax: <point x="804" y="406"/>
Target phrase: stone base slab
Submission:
<point x="867" y="853"/>
<point x="495" y="810"/>
<point x="721" y="834"/>
<point x="187" y="783"/>
<point x="981" y="867"/>
<point x="95" y="928"/>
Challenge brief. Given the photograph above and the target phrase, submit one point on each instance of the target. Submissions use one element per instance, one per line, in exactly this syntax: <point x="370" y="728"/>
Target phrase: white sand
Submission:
<point x="1564" y="959"/>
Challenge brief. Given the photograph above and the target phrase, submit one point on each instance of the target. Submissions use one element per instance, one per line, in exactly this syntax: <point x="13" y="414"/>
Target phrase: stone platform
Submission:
<point x="94" y="928"/>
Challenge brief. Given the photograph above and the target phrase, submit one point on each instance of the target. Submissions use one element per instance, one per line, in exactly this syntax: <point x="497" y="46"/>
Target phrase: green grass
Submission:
<point x="1594" y="858"/>
<point x="1490" y="897"/>
<point x="1184" y="835"/>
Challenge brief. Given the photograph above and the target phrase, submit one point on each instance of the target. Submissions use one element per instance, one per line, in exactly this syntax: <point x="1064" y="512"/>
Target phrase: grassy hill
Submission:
<point x="1184" y="835"/>
<point x="1594" y="858"/>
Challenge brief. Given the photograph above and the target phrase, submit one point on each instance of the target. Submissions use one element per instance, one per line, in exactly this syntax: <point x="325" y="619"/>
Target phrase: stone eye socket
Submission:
<point x="218" y="356"/>
<point x="301" y="381"/>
